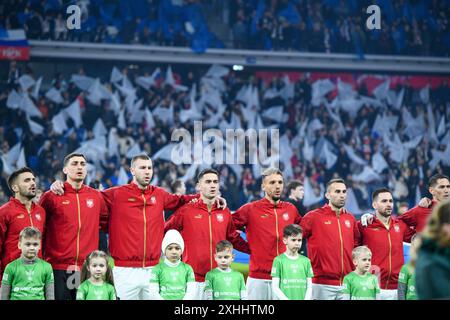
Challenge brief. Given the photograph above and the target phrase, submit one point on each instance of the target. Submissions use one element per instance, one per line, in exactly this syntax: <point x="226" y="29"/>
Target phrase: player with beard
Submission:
<point x="384" y="237"/>
<point x="264" y="221"/>
<point x="439" y="188"/>
<point x="72" y="226"/>
<point x="332" y="234"/>
<point x="203" y="225"/>
<point x="17" y="214"/>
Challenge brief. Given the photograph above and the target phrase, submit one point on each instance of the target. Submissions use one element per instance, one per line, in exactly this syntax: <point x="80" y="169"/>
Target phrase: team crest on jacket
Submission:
<point x="220" y="217"/>
<point x="20" y="216"/>
<point x="348" y="224"/>
<point x="89" y="203"/>
<point x="153" y="200"/>
<point x="286" y="216"/>
<point x="38" y="217"/>
<point x="396" y="228"/>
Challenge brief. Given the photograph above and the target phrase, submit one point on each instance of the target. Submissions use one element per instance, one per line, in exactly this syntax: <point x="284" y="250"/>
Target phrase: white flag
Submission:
<point x="367" y="175"/>
<point x="345" y="90"/>
<point x="59" y="123"/>
<point x="35" y="128"/>
<point x="37" y="87"/>
<point x="116" y="75"/>
<point x="399" y="103"/>
<point x="310" y="196"/>
<point x="28" y="106"/>
<point x="274" y="113"/>
<point x="217" y="71"/>
<point x="21" y="162"/>
<point x="82" y="82"/>
<point x="425" y="94"/>
<point x="164" y="114"/>
<point x="123" y="177"/>
<point x="353" y="156"/>
<point x="74" y="112"/>
<point x="321" y="88"/>
<point x="351" y="203"/>
<point x="133" y="151"/>
<point x="121" y="124"/>
<point x="381" y="91"/>
<point x="13" y="154"/>
<point x="308" y="151"/>
<point x="54" y="95"/>
<point x="330" y="157"/>
<point x="99" y="129"/>
<point x="113" y="145"/>
<point x="190" y="173"/>
<point x="379" y="163"/>
<point x="165" y="153"/>
<point x="14" y="100"/>
<point x="441" y="127"/>
<point x="26" y="82"/>
<point x="149" y="119"/>
<point x="170" y="80"/>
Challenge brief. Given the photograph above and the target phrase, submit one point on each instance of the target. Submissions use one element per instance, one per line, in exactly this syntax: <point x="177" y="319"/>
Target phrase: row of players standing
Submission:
<point x="133" y="216"/>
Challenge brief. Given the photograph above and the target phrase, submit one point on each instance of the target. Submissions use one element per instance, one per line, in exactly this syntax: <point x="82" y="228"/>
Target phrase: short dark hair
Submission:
<point x="333" y="181"/>
<point x="72" y="155"/>
<point x="206" y="171"/>
<point x="292" y="230"/>
<point x="434" y="179"/>
<point x="378" y="191"/>
<point x="223" y="245"/>
<point x="30" y="232"/>
<point x="294" y="184"/>
<point x="142" y="156"/>
<point x="12" y="178"/>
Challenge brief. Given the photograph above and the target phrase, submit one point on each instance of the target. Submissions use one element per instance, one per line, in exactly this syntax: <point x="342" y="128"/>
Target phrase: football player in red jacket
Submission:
<point x="264" y="221"/>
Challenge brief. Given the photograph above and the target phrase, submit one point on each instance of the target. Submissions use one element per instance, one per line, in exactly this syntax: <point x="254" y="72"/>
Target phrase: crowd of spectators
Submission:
<point x="416" y="27"/>
<point x="308" y="124"/>
<point x="147" y="22"/>
<point x="408" y="27"/>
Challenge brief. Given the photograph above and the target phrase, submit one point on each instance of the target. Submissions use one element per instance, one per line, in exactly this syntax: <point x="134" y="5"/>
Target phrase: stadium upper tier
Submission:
<point x="419" y="28"/>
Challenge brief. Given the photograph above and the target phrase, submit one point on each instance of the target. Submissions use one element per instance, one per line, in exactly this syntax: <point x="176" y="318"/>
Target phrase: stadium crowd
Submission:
<point x="419" y="28"/>
<point x="388" y="136"/>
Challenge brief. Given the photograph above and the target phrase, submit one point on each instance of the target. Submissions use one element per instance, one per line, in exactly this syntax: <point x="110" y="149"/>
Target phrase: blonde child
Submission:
<point x="291" y="272"/>
<point x="223" y="283"/>
<point x="172" y="279"/>
<point x="28" y="277"/>
<point x="361" y="284"/>
<point x="96" y="278"/>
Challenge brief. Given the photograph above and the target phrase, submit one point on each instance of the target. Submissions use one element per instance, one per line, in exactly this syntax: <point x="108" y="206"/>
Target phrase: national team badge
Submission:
<point x="153" y="200"/>
<point x="220" y="217"/>
<point x="348" y="224"/>
<point x="286" y="216"/>
<point x="38" y="217"/>
<point x="20" y="216"/>
<point x="90" y="203"/>
<point x="396" y="228"/>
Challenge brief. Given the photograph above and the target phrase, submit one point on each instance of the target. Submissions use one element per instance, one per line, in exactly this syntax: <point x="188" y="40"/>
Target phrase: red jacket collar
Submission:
<point x="266" y="203"/>
<point x="377" y="222"/>
<point x="136" y="188"/>
<point x="328" y="210"/>
<point x="16" y="202"/>
<point x="202" y="205"/>
<point x="68" y="188"/>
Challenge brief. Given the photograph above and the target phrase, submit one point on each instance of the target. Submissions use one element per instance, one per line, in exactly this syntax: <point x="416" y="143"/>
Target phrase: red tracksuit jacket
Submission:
<point x="264" y="223"/>
<point x="330" y="243"/>
<point x="136" y="223"/>
<point x="387" y="248"/>
<point x="202" y="230"/>
<point x="417" y="217"/>
<point x="14" y="217"/>
<point x="72" y="226"/>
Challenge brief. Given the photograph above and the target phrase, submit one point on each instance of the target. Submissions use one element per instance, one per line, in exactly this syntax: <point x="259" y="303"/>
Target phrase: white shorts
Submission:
<point x="132" y="283"/>
<point x="388" y="294"/>
<point x="326" y="292"/>
<point x="259" y="289"/>
<point x="200" y="291"/>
